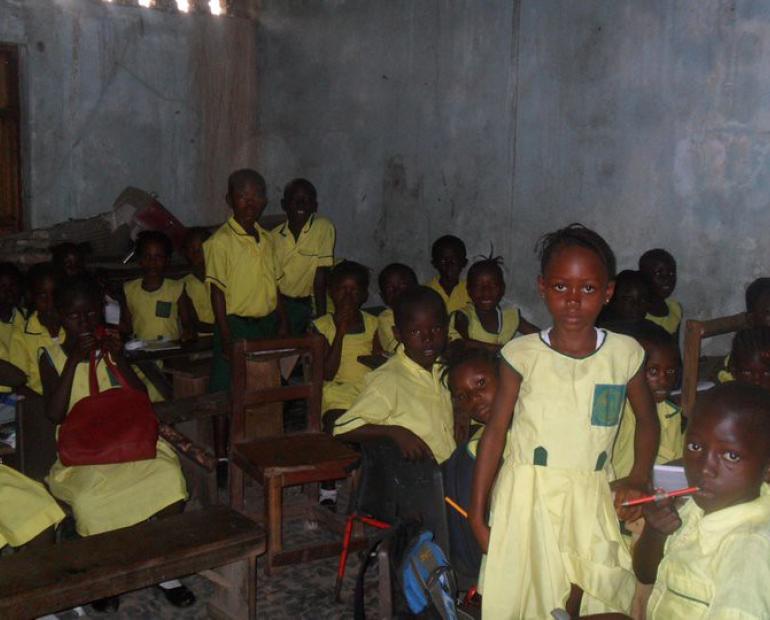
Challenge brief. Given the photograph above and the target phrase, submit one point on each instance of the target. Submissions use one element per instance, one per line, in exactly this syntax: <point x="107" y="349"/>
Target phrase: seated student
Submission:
<point x="709" y="558"/>
<point x="471" y="374"/>
<point x="70" y="258"/>
<point x="750" y="357"/>
<point x="41" y="329"/>
<point x="11" y="316"/>
<point x="104" y="497"/>
<point x="152" y="309"/>
<point x="661" y="369"/>
<point x="304" y="253"/>
<point x="448" y="256"/>
<point x="197" y="292"/>
<point x="631" y="300"/>
<point x="482" y="321"/>
<point x="405" y="399"/>
<point x="394" y="280"/>
<point x="757" y="314"/>
<point x="660" y="267"/>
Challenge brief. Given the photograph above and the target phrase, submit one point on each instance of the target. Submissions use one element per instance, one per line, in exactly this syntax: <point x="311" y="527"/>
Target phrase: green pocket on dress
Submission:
<point x="607" y="405"/>
<point x="163" y="309"/>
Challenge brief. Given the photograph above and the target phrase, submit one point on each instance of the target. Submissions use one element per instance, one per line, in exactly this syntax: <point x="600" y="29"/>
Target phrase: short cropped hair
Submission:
<point x="448" y="241"/>
<point x="420" y="297"/>
<point x="350" y="269"/>
<point x="575" y="235"/>
<point x="244" y="177"/>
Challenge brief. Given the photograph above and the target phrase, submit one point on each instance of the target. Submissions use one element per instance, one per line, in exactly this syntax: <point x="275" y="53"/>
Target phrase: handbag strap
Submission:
<point x="93" y="382"/>
<point x="112" y="368"/>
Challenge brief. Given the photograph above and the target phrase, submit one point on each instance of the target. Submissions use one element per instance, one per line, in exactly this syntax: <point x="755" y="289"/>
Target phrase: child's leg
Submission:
<point x="328" y="493"/>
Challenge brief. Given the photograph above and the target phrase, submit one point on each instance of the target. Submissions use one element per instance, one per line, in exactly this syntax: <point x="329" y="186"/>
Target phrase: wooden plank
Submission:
<point x="193" y="407"/>
<point x="78" y="571"/>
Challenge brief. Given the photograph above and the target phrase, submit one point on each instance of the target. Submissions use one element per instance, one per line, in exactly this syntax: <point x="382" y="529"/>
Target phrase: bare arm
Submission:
<point x="490" y="451"/>
<point x="57" y="389"/>
<point x="461" y="324"/>
<point x="187" y="317"/>
<point x="333" y="354"/>
<point x="283" y="317"/>
<point x="525" y="327"/>
<point x="661" y="520"/>
<point x="412" y="447"/>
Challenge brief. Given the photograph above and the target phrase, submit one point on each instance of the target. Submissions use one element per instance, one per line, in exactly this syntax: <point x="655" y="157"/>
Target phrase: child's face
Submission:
<point x="724" y="458"/>
<point x="449" y="263"/>
<point x="473" y="386"/>
<point x="630" y="302"/>
<point x="395" y="284"/>
<point x="247" y="203"/>
<point x="575" y="287"/>
<point x="486" y="290"/>
<point x="760" y="315"/>
<point x="299" y="205"/>
<point x="154" y="259"/>
<point x="662" y="274"/>
<point x="72" y="264"/>
<point x="82" y="316"/>
<point x="193" y="252"/>
<point x="10" y="291"/>
<point x="754" y="369"/>
<point x="42" y="297"/>
<point x="347" y="293"/>
<point x="661" y="370"/>
<point x="424" y="335"/>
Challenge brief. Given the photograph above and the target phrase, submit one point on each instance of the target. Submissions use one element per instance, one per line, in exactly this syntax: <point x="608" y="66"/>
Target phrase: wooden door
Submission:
<point x="10" y="141"/>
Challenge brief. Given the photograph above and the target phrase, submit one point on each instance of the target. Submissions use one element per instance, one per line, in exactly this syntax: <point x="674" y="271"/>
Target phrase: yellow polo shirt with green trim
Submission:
<point x="386" y="321"/>
<point x="673" y="318"/>
<point x="297" y="260"/>
<point x="243" y="269"/>
<point x="154" y="314"/>
<point x="200" y="296"/>
<point x="26" y="345"/>
<point x="402" y="393"/>
<point x="716" y="566"/>
<point x="671" y="443"/>
<point x="457" y="300"/>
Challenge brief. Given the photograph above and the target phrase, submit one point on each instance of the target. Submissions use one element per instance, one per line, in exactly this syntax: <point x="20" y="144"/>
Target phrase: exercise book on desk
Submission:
<point x="669" y="477"/>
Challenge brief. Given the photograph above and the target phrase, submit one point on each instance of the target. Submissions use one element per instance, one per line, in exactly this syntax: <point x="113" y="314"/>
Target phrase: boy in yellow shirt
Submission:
<point x="660" y="268"/>
<point x="448" y="256"/>
<point x="394" y="280"/>
<point x="709" y="558"/>
<point x="304" y="252"/>
<point x="405" y="399"/>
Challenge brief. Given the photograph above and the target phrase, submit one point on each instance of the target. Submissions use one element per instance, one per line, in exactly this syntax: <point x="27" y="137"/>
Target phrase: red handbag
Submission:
<point x="117" y="425"/>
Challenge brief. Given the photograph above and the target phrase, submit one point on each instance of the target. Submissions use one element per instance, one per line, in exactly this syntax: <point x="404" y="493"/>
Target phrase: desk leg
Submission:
<point x="274" y="509"/>
<point x="251" y="590"/>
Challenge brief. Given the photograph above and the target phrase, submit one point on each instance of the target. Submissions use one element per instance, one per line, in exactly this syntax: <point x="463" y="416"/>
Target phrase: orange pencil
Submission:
<point x="456" y="506"/>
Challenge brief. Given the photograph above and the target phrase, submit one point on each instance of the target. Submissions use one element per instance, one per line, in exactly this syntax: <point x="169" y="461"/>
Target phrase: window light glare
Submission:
<point x="183" y="5"/>
<point x="215" y="6"/>
<point x="145" y="3"/>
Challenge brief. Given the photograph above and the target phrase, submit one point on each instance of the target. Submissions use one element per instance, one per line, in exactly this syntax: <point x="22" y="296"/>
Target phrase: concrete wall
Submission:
<point x="118" y="96"/>
<point x="501" y="121"/>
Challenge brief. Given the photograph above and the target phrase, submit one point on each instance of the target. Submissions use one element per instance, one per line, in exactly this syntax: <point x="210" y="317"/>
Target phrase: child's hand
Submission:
<point x="480" y="530"/>
<point x="344" y="317"/>
<point x="85" y="344"/>
<point x="662" y="516"/>
<point x="112" y="343"/>
<point x="626" y="490"/>
<point x="412" y="447"/>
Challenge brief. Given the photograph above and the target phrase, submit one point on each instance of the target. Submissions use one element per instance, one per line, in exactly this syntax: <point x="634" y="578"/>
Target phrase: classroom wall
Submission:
<point x="501" y="121"/>
<point x="118" y="95"/>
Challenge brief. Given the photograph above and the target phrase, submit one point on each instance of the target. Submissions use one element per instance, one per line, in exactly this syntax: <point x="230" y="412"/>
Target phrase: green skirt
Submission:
<point x="241" y="328"/>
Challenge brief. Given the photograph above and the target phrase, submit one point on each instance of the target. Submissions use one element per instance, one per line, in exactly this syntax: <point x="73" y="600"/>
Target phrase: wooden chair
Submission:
<point x="277" y="462"/>
<point x="695" y="332"/>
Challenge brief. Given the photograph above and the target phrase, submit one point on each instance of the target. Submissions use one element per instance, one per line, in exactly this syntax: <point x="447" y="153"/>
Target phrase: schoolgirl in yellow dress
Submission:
<point x="555" y="540"/>
<point x="660" y="268"/>
<point x="394" y="280"/>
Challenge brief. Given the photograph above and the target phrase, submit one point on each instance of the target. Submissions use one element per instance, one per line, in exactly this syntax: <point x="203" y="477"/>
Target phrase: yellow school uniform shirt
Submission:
<point x="107" y="497"/>
<point x="385" y="324"/>
<point x="673" y="318"/>
<point x="457" y="300"/>
<point x="716" y="566"/>
<point x="242" y="269"/>
<point x="340" y="392"/>
<point x="26" y="344"/>
<point x="671" y="438"/>
<point x="297" y="260"/>
<point x="402" y="393"/>
<point x="724" y="375"/>
<point x="473" y="442"/>
<point x="508" y="321"/>
<point x="26" y="508"/>
<point x="154" y="314"/>
<point x="200" y="296"/>
<point x="552" y="519"/>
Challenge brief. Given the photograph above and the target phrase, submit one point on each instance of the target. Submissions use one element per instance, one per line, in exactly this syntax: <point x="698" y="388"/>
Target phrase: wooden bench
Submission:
<point x="76" y="572"/>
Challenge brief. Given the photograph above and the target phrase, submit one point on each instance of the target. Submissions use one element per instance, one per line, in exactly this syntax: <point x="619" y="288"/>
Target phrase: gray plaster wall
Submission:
<point x="500" y="121"/>
<point x="116" y="96"/>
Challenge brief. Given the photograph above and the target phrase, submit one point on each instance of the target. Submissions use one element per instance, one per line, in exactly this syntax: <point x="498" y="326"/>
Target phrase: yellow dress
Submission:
<point x="26" y="508"/>
<point x="671" y="438"/>
<point x="716" y="565"/>
<point x="385" y="324"/>
<point x="457" y="300"/>
<point x="154" y="314"/>
<point x="403" y="393"/>
<point x="552" y="519"/>
<point x="107" y="497"/>
<point x="25" y="349"/>
<point x="340" y="392"/>
<point x="508" y="320"/>
<point x="724" y="375"/>
<point x="200" y="296"/>
<point x="673" y="318"/>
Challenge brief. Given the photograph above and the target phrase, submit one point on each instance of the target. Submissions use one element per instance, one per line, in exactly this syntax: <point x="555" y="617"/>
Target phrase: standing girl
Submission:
<point x="554" y="535"/>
